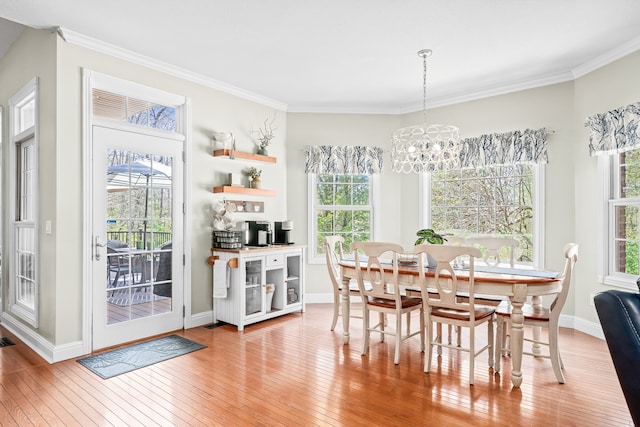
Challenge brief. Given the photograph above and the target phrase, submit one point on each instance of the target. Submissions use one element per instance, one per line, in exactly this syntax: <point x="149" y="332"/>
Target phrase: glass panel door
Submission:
<point x="137" y="221"/>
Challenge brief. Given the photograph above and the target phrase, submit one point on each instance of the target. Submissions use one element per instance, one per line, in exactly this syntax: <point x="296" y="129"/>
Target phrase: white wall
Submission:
<point x="34" y="54"/>
<point x="610" y="87"/>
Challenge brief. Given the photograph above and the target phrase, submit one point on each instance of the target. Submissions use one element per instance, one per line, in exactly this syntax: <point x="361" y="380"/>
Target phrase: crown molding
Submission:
<point x="607" y="58"/>
<point x="435" y="102"/>
<point x="133" y="57"/>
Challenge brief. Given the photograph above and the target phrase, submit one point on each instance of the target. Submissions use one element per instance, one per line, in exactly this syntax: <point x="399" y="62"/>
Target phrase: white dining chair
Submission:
<point x="539" y="317"/>
<point x="333" y="249"/>
<point x="383" y="293"/>
<point x="496" y="250"/>
<point x="444" y="307"/>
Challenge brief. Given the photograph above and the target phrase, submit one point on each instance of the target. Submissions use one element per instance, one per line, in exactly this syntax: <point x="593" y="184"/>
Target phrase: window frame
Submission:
<point x="608" y="191"/>
<point x="374" y="203"/>
<point x="19" y="138"/>
<point x="424" y="188"/>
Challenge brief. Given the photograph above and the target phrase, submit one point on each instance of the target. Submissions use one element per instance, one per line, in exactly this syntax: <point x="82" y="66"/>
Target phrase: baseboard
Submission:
<point x="318" y="298"/>
<point x="590" y="328"/>
<point x="37" y="343"/>
<point x="201" y="319"/>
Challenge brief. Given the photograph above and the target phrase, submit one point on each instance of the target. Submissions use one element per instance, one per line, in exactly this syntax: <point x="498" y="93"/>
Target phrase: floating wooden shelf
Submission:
<point x="245" y="156"/>
<point x="243" y="190"/>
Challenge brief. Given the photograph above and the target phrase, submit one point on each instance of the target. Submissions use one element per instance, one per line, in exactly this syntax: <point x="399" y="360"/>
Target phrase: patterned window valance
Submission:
<point x="527" y="146"/>
<point x="615" y="131"/>
<point x="346" y="160"/>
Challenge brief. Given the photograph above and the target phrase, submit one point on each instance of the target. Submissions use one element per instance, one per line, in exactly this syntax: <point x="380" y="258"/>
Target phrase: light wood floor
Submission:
<point x="294" y="371"/>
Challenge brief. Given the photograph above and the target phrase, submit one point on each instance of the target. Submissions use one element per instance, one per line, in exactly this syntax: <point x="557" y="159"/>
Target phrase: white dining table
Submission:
<point x="516" y="284"/>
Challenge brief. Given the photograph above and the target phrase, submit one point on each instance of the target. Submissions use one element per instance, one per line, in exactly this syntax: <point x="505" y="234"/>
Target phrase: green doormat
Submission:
<point x="130" y="358"/>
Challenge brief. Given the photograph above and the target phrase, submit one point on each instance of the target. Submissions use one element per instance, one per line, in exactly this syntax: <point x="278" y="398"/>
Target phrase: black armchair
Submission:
<point x="619" y="314"/>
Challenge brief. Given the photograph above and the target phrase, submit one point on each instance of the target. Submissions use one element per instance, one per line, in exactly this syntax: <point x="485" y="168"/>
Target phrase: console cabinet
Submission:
<point x="268" y="282"/>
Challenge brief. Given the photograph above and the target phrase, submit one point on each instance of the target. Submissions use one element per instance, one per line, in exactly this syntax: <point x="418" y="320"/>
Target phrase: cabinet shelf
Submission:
<point x="243" y="190"/>
<point x="245" y="156"/>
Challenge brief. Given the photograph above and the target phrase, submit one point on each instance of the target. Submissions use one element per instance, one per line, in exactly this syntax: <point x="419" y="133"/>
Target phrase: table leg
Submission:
<point x="346" y="308"/>
<point x="536" y="302"/>
<point x="517" y="332"/>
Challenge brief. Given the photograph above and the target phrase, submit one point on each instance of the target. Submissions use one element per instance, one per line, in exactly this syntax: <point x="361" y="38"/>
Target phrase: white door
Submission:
<point x="137" y="224"/>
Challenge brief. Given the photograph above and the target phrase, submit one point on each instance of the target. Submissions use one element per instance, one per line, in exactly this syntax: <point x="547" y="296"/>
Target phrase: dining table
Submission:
<point x="517" y="284"/>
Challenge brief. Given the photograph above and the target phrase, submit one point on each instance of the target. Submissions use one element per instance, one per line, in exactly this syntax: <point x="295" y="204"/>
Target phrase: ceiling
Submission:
<point x="352" y="55"/>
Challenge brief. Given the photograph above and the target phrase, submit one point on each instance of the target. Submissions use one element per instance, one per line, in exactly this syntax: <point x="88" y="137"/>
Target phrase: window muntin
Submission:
<point x="624" y="213"/>
<point x="23" y="184"/>
<point x="341" y="205"/>
<point x="113" y="106"/>
<point x="25" y="177"/>
<point x="25" y="114"/>
<point x="495" y="200"/>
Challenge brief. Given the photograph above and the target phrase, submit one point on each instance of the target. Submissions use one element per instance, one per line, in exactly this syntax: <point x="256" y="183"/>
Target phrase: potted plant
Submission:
<point x="430" y="236"/>
<point x="265" y="136"/>
<point x="254" y="175"/>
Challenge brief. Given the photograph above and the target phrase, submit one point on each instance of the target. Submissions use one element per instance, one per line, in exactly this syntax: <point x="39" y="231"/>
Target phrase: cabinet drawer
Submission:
<point x="274" y="260"/>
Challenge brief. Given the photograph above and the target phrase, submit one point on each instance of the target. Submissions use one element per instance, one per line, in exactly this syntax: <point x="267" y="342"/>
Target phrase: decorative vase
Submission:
<point x="255" y="182"/>
<point x="269" y="301"/>
<point x="262" y="151"/>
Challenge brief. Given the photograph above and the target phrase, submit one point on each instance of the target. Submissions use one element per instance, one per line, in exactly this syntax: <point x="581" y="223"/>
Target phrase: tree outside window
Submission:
<point x="626" y="210"/>
<point x="341" y="206"/>
<point x="488" y="201"/>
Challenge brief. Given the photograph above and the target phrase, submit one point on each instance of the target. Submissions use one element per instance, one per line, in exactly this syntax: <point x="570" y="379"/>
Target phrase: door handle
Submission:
<point x="98" y="245"/>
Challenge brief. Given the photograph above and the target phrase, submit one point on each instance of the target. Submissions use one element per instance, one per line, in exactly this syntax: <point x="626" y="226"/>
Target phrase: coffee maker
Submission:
<point x="282" y="232"/>
<point x="260" y="233"/>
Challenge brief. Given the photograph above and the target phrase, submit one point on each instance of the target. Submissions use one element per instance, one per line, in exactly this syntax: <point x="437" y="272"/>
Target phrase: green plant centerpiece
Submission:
<point x="430" y="236"/>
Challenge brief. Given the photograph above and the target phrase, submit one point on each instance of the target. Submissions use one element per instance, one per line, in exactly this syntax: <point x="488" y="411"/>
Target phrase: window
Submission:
<point x="23" y="153"/>
<point x="112" y="106"/>
<point x="621" y="172"/>
<point x="497" y="200"/>
<point x="340" y="205"/>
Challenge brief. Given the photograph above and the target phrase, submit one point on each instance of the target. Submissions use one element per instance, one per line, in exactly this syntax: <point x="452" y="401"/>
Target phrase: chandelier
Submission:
<point x="425" y="148"/>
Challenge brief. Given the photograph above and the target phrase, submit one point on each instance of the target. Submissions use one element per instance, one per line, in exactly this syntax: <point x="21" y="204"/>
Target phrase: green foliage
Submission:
<point x="253" y="172"/>
<point x="430" y="236"/>
<point x="491" y="201"/>
<point x="343" y="208"/>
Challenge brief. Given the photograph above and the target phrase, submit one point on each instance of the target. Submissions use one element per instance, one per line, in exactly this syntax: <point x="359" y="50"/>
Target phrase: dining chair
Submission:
<point x="493" y="247"/>
<point x="384" y="295"/>
<point x="444" y="307"/>
<point x="540" y="317"/>
<point x="333" y="249"/>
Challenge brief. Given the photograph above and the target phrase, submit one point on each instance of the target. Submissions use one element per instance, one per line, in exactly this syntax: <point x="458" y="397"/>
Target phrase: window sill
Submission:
<point x="627" y="282"/>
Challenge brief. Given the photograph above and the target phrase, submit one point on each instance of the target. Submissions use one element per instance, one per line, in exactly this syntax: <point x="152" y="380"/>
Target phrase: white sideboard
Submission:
<point x="263" y="283"/>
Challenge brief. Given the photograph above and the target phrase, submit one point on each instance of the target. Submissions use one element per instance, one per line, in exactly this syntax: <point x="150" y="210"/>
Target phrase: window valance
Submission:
<point x="615" y="131"/>
<point x="348" y="160"/>
<point x="527" y="146"/>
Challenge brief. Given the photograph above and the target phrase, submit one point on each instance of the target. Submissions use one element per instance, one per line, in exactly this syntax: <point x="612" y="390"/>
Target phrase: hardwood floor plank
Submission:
<point x="293" y="371"/>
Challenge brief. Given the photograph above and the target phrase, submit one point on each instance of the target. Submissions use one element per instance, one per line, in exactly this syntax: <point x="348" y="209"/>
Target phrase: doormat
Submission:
<point x="138" y="296"/>
<point x="136" y="356"/>
<point x="6" y="342"/>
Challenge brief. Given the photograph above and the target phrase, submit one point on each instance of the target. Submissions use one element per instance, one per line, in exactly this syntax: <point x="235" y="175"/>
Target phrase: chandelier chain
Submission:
<point x="424" y="89"/>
